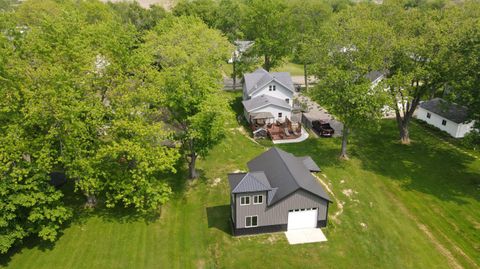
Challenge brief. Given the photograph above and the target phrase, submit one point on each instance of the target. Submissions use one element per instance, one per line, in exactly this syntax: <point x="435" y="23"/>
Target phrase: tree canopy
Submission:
<point x="351" y="46"/>
<point x="188" y="55"/>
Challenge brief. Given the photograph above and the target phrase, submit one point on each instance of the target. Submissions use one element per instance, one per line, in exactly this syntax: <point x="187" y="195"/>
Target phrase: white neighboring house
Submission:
<point x="446" y="116"/>
<point x="267" y="97"/>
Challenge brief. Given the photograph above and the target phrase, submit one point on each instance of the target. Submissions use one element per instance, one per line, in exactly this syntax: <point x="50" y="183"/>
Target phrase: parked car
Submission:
<point x="322" y="128"/>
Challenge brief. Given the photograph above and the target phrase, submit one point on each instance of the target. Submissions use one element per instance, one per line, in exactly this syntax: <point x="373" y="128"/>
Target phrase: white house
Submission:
<point x="267" y="97"/>
<point x="446" y="116"/>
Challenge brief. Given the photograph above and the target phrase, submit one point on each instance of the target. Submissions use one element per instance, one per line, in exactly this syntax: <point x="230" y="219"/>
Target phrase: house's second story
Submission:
<point x="275" y="84"/>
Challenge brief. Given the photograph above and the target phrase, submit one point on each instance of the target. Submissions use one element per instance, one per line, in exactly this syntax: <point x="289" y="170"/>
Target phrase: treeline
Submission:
<point x="115" y="97"/>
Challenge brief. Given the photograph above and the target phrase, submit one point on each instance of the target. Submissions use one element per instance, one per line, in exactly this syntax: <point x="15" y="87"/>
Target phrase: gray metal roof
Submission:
<point x="243" y="45"/>
<point x="264" y="100"/>
<point x="248" y="182"/>
<point x="261" y="77"/>
<point x="448" y="110"/>
<point x="310" y="164"/>
<point x="375" y="75"/>
<point x="287" y="173"/>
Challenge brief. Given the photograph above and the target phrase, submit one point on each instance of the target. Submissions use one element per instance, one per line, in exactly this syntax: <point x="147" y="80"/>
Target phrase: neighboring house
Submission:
<point x="375" y="77"/>
<point x="446" y="116"/>
<point x="267" y="96"/>
<point x="279" y="193"/>
<point x="241" y="46"/>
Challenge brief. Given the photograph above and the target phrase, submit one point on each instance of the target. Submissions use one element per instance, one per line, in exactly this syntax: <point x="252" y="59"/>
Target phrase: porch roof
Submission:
<point x="261" y="115"/>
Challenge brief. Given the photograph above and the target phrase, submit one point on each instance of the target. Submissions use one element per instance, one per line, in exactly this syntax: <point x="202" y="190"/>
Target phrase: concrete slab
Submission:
<point x="304" y="236"/>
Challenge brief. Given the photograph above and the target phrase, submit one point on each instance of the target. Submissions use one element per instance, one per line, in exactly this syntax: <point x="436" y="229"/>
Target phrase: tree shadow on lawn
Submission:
<point x="425" y="165"/>
<point x="219" y="217"/>
<point x="30" y="242"/>
<point x="324" y="151"/>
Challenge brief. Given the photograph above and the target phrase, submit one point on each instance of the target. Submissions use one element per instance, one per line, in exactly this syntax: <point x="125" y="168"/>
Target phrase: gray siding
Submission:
<point x="278" y="213"/>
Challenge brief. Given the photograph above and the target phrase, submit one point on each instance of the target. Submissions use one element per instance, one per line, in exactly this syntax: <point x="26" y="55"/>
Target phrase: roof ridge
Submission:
<point x="259" y="180"/>
<point x="277" y="150"/>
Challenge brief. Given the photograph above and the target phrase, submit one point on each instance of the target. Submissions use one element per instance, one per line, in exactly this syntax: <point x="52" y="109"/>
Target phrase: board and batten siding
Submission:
<point x="278" y="213"/>
<point x="280" y="92"/>
<point x="456" y="130"/>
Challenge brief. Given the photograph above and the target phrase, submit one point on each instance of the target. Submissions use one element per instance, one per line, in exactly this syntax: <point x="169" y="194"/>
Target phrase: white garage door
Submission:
<point x="302" y="218"/>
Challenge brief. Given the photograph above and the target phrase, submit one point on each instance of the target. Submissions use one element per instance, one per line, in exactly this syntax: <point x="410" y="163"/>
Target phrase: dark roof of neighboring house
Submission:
<point x="261" y="77"/>
<point x="448" y="110"/>
<point x="248" y="182"/>
<point x="286" y="173"/>
<point x="375" y="75"/>
<point x="264" y="100"/>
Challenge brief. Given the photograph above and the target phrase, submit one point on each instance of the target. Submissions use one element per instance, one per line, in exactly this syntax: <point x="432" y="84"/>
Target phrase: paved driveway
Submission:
<point x="316" y="112"/>
<point x="303" y="236"/>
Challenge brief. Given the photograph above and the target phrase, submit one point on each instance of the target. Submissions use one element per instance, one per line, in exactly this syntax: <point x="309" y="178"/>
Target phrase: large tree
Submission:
<point x="206" y="10"/>
<point x="141" y="18"/>
<point x="464" y="64"/>
<point x="269" y="24"/>
<point x="307" y="17"/>
<point x="418" y="67"/>
<point x="188" y="55"/>
<point x="76" y="99"/>
<point x="350" y="46"/>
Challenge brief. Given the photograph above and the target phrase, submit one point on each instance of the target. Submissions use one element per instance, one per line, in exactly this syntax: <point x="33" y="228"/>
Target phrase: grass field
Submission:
<point x="293" y="68"/>
<point x="396" y="206"/>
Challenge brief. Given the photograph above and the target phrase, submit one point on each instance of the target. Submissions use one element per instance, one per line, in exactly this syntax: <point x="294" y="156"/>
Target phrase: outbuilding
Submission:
<point x="446" y="116"/>
<point x="278" y="194"/>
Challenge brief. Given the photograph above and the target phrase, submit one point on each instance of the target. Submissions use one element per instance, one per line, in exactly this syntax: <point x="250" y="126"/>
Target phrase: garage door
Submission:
<point x="302" y="218"/>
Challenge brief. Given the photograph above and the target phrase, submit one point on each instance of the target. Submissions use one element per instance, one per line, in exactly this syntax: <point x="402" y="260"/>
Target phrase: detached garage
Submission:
<point x="278" y="194"/>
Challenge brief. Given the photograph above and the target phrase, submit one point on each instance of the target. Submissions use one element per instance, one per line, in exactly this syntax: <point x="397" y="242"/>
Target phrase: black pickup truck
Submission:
<point x="322" y="128"/>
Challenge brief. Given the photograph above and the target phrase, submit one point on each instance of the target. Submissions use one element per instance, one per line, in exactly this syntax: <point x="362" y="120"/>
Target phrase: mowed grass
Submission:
<point x="293" y="68"/>
<point x="396" y="206"/>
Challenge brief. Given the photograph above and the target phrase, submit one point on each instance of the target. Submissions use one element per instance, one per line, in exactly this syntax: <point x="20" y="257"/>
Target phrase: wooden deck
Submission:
<point x="281" y="130"/>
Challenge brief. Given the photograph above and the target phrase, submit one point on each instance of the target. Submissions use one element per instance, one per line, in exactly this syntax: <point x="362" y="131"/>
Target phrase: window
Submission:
<point x="251" y="221"/>
<point x="245" y="200"/>
<point x="287" y="100"/>
<point x="279" y="114"/>
<point x="444" y="122"/>
<point x="428" y="115"/>
<point x="258" y="199"/>
<point x="274" y="87"/>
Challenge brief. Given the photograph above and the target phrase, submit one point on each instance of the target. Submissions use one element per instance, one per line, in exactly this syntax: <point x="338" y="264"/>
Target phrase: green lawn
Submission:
<point x="414" y="206"/>
<point x="293" y="68"/>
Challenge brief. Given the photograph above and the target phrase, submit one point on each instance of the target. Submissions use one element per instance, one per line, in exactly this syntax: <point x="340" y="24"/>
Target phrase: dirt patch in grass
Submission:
<point x="215" y="182"/>
<point x="339" y="203"/>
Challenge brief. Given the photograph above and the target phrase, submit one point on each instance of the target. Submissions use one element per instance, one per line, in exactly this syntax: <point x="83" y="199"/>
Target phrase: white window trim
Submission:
<point x="246" y="196"/>
<point x="251" y="221"/>
<point x="255" y="197"/>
